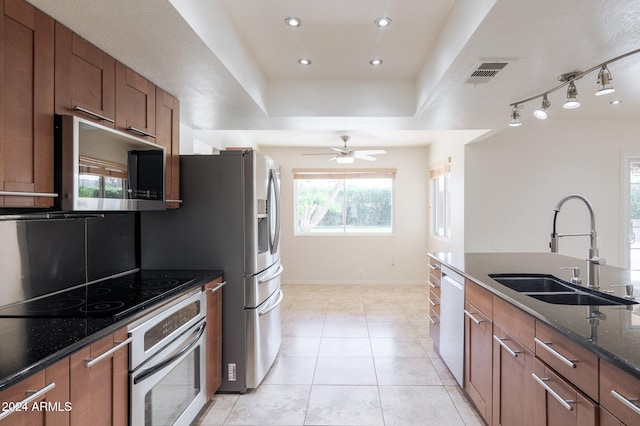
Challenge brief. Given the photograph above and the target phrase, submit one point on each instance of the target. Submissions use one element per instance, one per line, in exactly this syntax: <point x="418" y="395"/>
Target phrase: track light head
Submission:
<point x="515" y="116"/>
<point x="541" y="113"/>
<point x="604" y="82"/>
<point x="572" y="101"/>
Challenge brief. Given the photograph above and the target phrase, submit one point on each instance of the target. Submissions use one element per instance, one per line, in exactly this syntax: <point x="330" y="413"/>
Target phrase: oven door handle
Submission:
<point x="144" y="374"/>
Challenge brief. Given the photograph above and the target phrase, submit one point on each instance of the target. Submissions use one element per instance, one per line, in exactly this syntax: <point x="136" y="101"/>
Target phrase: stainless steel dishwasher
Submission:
<point x="452" y="322"/>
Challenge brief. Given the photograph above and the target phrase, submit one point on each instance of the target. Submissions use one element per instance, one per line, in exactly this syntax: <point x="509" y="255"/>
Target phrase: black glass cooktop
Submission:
<point x="110" y="298"/>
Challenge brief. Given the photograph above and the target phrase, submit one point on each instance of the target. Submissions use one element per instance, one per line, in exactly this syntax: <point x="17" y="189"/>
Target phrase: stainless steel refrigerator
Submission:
<point x="229" y="219"/>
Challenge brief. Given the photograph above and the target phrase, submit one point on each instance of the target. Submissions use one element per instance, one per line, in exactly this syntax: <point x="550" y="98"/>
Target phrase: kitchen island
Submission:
<point x="527" y="360"/>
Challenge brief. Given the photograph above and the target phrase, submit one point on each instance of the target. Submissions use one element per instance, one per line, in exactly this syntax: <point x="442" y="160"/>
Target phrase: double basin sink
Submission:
<point x="551" y="289"/>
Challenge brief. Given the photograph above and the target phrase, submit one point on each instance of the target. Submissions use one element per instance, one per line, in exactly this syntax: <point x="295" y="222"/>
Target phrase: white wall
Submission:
<point x="398" y="258"/>
<point x="514" y="179"/>
<point x="439" y="152"/>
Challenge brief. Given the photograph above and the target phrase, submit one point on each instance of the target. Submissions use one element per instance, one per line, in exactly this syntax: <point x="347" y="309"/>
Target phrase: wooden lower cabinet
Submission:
<point x="512" y="383"/>
<point x="619" y="393"/>
<point x="435" y="275"/>
<point x="478" y="332"/>
<point x="50" y="408"/>
<point x="608" y="419"/>
<point x="214" y="336"/>
<point x="100" y="393"/>
<point x="556" y="402"/>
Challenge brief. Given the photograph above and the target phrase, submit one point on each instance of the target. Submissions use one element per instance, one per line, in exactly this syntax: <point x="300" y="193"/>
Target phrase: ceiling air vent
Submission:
<point x="485" y="72"/>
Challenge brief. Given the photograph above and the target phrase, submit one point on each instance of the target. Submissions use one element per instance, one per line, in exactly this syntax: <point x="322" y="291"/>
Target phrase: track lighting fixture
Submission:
<point x="604" y="87"/>
<point x="572" y="101"/>
<point x="541" y="113"/>
<point x="515" y="117"/>
<point x="604" y="82"/>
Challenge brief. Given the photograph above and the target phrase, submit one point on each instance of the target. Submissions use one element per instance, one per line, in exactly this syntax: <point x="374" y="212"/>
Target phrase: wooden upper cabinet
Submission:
<point x="85" y="79"/>
<point x="168" y="135"/>
<point x="26" y="115"/>
<point x="135" y="103"/>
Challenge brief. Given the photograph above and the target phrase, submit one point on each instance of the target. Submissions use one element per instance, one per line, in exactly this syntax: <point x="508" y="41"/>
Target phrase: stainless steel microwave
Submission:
<point x="102" y="169"/>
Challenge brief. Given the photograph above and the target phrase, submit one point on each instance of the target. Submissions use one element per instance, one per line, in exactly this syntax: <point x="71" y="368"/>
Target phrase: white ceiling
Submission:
<point x="233" y="63"/>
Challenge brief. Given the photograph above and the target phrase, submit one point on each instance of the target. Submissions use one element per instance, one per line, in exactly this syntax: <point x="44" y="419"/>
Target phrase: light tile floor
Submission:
<point x="351" y="355"/>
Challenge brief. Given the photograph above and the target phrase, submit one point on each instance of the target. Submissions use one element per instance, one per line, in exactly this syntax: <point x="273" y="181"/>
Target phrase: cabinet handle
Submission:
<point x="93" y="114"/>
<point x="29" y="194"/>
<point x="434" y="267"/>
<point x="173" y="201"/>
<point x="626" y="401"/>
<point x="504" y="345"/>
<point x="432" y="302"/>
<point x="90" y="362"/>
<point x="470" y="315"/>
<point x="140" y="132"/>
<point x="216" y="288"/>
<point x="548" y="348"/>
<point x="434" y="322"/>
<point x="34" y="395"/>
<point x="566" y="403"/>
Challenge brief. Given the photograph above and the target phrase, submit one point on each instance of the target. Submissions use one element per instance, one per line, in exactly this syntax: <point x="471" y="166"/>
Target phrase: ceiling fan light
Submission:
<point x="346" y="159"/>
<point x="572" y="101"/>
<point x="604" y="82"/>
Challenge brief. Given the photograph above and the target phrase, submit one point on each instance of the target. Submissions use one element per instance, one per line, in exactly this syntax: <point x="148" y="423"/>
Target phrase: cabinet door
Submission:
<point x="608" y="419"/>
<point x="99" y="393"/>
<point x="168" y="135"/>
<point x="85" y="79"/>
<point x="512" y="383"/>
<point x="559" y="403"/>
<point x="478" y="360"/>
<point x="51" y="406"/>
<point x="26" y="114"/>
<point x="619" y="393"/>
<point x="135" y="103"/>
<point x="214" y="336"/>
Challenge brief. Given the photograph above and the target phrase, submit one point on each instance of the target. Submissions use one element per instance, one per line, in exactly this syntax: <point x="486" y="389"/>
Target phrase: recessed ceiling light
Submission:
<point x="615" y="102"/>
<point x="304" y="61"/>
<point x="293" y="21"/>
<point x="383" y="22"/>
<point x="375" y="62"/>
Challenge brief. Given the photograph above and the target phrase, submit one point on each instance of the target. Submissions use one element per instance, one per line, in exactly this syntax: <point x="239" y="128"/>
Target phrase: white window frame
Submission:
<point x="438" y="173"/>
<point x="344" y="174"/>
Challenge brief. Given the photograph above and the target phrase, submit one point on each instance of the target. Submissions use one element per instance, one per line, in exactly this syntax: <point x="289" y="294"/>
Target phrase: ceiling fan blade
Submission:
<point x="320" y="153"/>
<point x="371" y="151"/>
<point x="361" y="156"/>
<point x="341" y="150"/>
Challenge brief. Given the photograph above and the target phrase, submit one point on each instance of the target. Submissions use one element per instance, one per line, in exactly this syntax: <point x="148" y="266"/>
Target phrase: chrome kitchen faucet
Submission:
<point x="594" y="260"/>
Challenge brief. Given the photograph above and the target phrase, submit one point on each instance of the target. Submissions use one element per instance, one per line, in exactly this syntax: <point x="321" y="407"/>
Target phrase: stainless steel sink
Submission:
<point x="551" y="289"/>
<point x="532" y="283"/>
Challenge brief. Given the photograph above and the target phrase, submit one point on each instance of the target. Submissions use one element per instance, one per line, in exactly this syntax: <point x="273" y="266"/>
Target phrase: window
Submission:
<point x="343" y="201"/>
<point x="100" y="179"/>
<point x="440" y="177"/>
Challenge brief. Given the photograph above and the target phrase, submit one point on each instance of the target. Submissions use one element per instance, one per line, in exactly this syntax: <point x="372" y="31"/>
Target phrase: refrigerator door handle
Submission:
<point x="272" y="277"/>
<point x="272" y="307"/>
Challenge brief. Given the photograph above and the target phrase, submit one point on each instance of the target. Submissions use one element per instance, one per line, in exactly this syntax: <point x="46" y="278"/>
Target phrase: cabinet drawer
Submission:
<point x="573" y="362"/>
<point x="518" y="324"/>
<point x="434" y="272"/>
<point x="479" y="297"/>
<point x="617" y="393"/>
<point x="558" y="402"/>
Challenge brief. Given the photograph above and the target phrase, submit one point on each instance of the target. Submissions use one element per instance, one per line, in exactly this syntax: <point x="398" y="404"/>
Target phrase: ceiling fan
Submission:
<point x="346" y="155"/>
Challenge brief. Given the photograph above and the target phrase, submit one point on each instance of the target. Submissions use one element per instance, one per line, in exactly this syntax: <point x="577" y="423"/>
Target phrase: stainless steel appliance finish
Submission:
<point x="229" y="220"/>
<point x="167" y="359"/>
<point x="105" y="169"/>
<point x="452" y="322"/>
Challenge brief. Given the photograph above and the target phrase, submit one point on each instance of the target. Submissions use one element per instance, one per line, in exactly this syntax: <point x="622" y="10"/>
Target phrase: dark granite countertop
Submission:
<point x="615" y="338"/>
<point x="29" y="345"/>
